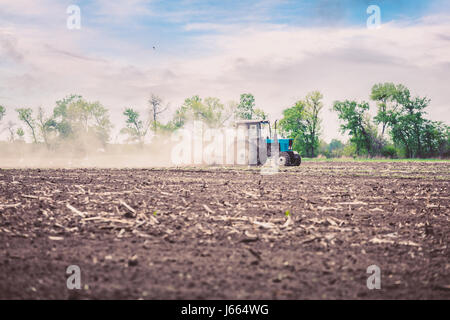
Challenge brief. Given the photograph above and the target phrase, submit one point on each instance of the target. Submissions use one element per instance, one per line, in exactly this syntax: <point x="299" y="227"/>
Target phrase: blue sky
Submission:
<point x="164" y="22"/>
<point x="279" y="50"/>
<point x="175" y="13"/>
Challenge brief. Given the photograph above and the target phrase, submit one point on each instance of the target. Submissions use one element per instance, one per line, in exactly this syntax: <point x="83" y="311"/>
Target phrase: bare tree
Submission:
<point x="156" y="108"/>
<point x="12" y="133"/>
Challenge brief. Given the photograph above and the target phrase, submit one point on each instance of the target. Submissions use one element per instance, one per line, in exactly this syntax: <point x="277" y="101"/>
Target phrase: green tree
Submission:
<point x="434" y="137"/>
<point x="407" y="123"/>
<point x="385" y="94"/>
<point x="210" y="110"/>
<point x="335" y="145"/>
<point x="323" y="148"/>
<point x="20" y="133"/>
<point x="313" y="106"/>
<point x="62" y="105"/>
<point x="302" y="123"/>
<point x="334" y="149"/>
<point x="74" y="117"/>
<point x="246" y="108"/>
<point x="260" y="114"/>
<point x="101" y="124"/>
<point x="135" y="128"/>
<point x="2" y="112"/>
<point x="412" y="134"/>
<point x="294" y="126"/>
<point x="26" y="115"/>
<point x="60" y="115"/>
<point x="356" y="123"/>
<point x="179" y="118"/>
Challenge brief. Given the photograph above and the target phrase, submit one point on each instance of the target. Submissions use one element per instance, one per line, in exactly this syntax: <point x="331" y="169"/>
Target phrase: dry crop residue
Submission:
<point x="216" y="233"/>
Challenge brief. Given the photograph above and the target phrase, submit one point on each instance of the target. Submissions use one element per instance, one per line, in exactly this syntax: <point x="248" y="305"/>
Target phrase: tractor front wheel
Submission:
<point x="284" y="159"/>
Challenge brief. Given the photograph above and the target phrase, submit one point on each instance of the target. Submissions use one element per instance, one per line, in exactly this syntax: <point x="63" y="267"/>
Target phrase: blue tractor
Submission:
<point x="286" y="156"/>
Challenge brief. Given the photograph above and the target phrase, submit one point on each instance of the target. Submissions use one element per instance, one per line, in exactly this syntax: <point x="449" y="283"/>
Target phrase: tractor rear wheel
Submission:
<point x="284" y="159"/>
<point x="297" y="159"/>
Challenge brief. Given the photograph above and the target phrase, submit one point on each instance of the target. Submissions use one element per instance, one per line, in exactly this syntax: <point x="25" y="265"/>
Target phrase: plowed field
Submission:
<point x="227" y="233"/>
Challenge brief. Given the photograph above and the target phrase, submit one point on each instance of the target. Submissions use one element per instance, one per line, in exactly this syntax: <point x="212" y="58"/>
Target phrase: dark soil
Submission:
<point x="223" y="233"/>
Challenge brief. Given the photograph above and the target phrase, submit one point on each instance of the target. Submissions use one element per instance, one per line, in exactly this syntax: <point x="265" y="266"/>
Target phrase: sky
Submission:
<point x="278" y="50"/>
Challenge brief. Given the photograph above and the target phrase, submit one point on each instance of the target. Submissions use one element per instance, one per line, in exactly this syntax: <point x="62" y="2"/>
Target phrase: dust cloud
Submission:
<point x="76" y="155"/>
<point x="196" y="144"/>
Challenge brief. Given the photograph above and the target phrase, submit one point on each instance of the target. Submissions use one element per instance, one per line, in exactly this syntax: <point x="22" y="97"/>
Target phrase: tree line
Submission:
<point x="73" y="119"/>
<point x="405" y="132"/>
<point x="399" y="129"/>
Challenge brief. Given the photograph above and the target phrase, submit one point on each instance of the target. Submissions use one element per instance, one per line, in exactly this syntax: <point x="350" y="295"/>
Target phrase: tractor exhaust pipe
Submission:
<point x="275" y="137"/>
